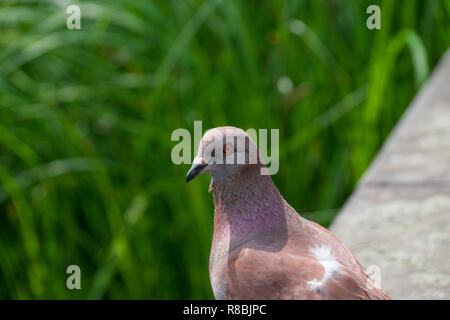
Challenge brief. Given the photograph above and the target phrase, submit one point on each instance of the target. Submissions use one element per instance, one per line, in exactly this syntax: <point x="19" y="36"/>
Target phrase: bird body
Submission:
<point x="263" y="249"/>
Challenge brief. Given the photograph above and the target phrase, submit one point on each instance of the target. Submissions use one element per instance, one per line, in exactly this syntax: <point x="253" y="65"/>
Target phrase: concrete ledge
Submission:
<point x="399" y="215"/>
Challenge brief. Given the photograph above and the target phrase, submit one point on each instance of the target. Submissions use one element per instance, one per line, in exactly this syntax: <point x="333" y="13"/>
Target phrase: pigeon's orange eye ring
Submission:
<point x="227" y="148"/>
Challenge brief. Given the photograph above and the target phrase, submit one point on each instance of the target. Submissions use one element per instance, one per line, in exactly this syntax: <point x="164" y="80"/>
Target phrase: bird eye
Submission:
<point x="227" y="148"/>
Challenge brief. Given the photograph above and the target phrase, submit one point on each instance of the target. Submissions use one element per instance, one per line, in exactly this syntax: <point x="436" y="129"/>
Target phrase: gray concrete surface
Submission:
<point x="399" y="215"/>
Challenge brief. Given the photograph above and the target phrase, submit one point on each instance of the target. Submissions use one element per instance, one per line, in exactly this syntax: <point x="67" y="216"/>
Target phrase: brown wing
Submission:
<point x="257" y="274"/>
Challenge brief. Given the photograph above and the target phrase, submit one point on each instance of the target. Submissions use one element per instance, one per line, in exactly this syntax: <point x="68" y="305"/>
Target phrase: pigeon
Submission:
<point x="262" y="248"/>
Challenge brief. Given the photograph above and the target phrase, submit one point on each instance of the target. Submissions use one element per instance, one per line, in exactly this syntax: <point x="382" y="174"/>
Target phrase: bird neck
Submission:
<point x="246" y="205"/>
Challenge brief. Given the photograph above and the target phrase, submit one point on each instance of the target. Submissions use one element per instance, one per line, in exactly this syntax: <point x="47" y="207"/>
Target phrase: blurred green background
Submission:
<point x="86" y="118"/>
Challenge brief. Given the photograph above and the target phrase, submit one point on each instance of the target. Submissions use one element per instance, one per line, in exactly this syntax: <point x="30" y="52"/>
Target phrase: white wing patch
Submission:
<point x="329" y="263"/>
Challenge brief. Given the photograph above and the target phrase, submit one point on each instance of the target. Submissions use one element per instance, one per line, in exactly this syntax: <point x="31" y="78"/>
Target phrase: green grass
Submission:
<point x="86" y="118"/>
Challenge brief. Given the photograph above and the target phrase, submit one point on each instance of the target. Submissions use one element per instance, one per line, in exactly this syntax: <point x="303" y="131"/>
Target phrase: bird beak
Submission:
<point x="197" y="167"/>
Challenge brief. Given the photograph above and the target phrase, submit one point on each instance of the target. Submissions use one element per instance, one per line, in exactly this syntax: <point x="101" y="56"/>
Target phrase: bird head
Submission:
<point x="223" y="152"/>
